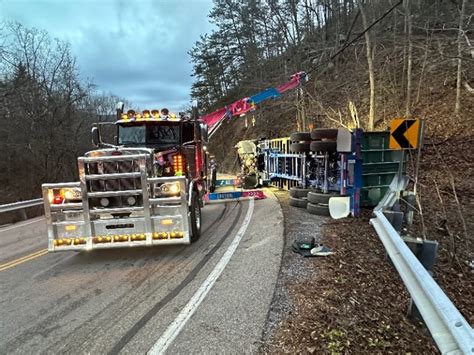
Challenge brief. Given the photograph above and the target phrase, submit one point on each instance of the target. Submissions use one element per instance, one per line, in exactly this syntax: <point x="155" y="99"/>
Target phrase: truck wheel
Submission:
<point x="195" y="217"/>
<point x="298" y="202"/>
<point x="323" y="146"/>
<point x="299" y="147"/>
<point x="324" y="133"/>
<point x="321" y="210"/>
<point x="298" y="192"/>
<point x="212" y="186"/>
<point x="300" y="137"/>
<point x="319" y="197"/>
<point x="250" y="182"/>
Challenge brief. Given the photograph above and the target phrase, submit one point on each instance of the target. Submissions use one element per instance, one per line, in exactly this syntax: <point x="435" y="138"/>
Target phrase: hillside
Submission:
<point x="422" y="67"/>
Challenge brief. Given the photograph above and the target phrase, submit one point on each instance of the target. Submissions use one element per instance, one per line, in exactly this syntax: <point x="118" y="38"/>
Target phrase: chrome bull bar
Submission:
<point x="80" y="226"/>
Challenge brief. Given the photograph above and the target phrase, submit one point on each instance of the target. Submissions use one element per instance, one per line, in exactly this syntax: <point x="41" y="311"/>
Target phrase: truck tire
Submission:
<point x="300" y="137"/>
<point x="299" y="147"/>
<point x="212" y="186"/>
<point x="324" y="133"/>
<point x="298" y="192"/>
<point x="298" y="202"/>
<point x="323" y="146"/>
<point x="321" y="198"/>
<point x="195" y="217"/>
<point x="321" y="210"/>
<point x="250" y="182"/>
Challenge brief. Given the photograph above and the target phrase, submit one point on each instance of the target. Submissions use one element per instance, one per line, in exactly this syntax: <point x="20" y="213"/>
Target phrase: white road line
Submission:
<point x="180" y="321"/>
<point x="18" y="225"/>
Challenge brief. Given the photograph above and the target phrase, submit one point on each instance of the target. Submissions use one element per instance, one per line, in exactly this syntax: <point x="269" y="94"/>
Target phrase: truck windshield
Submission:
<point x="161" y="134"/>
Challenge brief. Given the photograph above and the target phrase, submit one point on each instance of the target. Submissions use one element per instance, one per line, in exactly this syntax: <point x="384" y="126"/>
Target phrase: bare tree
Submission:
<point x="457" y="105"/>
<point x="408" y="22"/>
<point x="370" y="64"/>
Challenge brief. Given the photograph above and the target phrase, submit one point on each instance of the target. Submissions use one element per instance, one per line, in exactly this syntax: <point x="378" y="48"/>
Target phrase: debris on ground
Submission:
<point x="353" y="301"/>
<point x="321" y="250"/>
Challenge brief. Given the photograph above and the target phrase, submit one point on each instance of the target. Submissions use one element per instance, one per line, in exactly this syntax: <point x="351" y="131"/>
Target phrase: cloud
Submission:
<point x="133" y="49"/>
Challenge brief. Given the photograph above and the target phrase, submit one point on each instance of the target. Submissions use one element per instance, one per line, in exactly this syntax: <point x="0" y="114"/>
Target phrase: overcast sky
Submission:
<point x="136" y="49"/>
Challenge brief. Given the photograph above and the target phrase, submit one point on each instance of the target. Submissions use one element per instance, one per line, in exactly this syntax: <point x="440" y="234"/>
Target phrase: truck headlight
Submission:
<point x="170" y="188"/>
<point x="71" y="193"/>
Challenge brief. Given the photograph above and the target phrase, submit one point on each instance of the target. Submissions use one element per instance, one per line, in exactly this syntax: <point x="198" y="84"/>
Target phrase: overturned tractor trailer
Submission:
<point x="145" y="189"/>
<point x="329" y="167"/>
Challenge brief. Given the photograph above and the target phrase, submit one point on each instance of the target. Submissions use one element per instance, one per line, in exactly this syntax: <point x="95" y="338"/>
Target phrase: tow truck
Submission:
<point x="145" y="189"/>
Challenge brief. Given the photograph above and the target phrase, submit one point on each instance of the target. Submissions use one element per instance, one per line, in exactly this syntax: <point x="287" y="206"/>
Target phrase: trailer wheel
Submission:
<point x="323" y="146"/>
<point x="321" y="210"/>
<point x="195" y="217"/>
<point x="298" y="192"/>
<point x="299" y="147"/>
<point x="319" y="197"/>
<point x="300" y="137"/>
<point x="324" y="133"/>
<point x="298" y="202"/>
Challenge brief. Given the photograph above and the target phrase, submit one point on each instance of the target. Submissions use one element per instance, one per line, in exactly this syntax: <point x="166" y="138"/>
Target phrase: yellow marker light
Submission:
<point x="83" y="240"/>
<point x="108" y="238"/>
<point x="124" y="238"/>
<point x="181" y="234"/>
<point x="116" y="238"/>
<point x="164" y="235"/>
<point x="173" y="234"/>
<point x="167" y="222"/>
<point x="76" y="241"/>
<point x="142" y="236"/>
<point x="124" y="116"/>
<point x="100" y="239"/>
<point x="70" y="228"/>
<point x="130" y="113"/>
<point x="55" y="242"/>
<point x="138" y="116"/>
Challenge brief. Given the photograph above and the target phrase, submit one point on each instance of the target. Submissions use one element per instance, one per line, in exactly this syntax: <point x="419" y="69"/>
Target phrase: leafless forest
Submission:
<point x="45" y="111"/>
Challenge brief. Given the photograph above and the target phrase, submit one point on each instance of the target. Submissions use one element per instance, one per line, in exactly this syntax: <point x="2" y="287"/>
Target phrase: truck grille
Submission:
<point x="111" y="184"/>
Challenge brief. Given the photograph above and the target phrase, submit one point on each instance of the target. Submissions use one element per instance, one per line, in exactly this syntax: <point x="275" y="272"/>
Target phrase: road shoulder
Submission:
<point x="232" y="317"/>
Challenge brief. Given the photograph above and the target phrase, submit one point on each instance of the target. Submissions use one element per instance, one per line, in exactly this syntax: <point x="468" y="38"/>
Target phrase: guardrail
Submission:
<point x="451" y="332"/>
<point x="15" y="206"/>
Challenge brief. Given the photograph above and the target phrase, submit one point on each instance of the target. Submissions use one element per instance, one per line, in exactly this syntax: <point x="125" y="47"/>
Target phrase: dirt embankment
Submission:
<point x="352" y="301"/>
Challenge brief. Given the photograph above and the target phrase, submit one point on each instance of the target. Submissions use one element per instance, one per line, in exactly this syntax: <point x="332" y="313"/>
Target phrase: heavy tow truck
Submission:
<point x="145" y="189"/>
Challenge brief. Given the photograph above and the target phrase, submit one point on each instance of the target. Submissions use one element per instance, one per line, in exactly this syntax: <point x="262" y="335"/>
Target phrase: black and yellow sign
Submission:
<point x="404" y="134"/>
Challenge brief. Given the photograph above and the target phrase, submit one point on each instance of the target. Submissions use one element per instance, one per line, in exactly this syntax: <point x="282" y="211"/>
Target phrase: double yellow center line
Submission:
<point x="23" y="259"/>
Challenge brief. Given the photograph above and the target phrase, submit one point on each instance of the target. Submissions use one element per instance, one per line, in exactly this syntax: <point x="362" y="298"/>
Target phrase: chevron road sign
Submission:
<point x="404" y="134"/>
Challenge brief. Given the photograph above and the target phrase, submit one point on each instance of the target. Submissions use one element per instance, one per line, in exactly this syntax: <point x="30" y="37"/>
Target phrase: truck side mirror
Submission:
<point x="95" y="136"/>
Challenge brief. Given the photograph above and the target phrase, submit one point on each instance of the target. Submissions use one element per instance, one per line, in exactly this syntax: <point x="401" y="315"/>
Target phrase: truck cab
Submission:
<point x="147" y="188"/>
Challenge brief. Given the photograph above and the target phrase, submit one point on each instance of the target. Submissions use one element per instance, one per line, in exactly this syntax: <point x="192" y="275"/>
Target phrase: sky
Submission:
<point x="136" y="49"/>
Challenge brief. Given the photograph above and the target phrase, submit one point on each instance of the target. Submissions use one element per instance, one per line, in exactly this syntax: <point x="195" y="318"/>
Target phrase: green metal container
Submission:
<point x="379" y="165"/>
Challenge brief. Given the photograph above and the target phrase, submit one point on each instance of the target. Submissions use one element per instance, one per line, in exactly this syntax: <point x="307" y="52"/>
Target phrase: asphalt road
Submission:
<point x="126" y="300"/>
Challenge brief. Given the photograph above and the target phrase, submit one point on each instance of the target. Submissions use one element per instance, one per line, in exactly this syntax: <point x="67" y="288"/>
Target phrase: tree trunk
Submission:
<point x="370" y="64"/>
<point x="410" y="57"/>
<point x="457" y="106"/>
